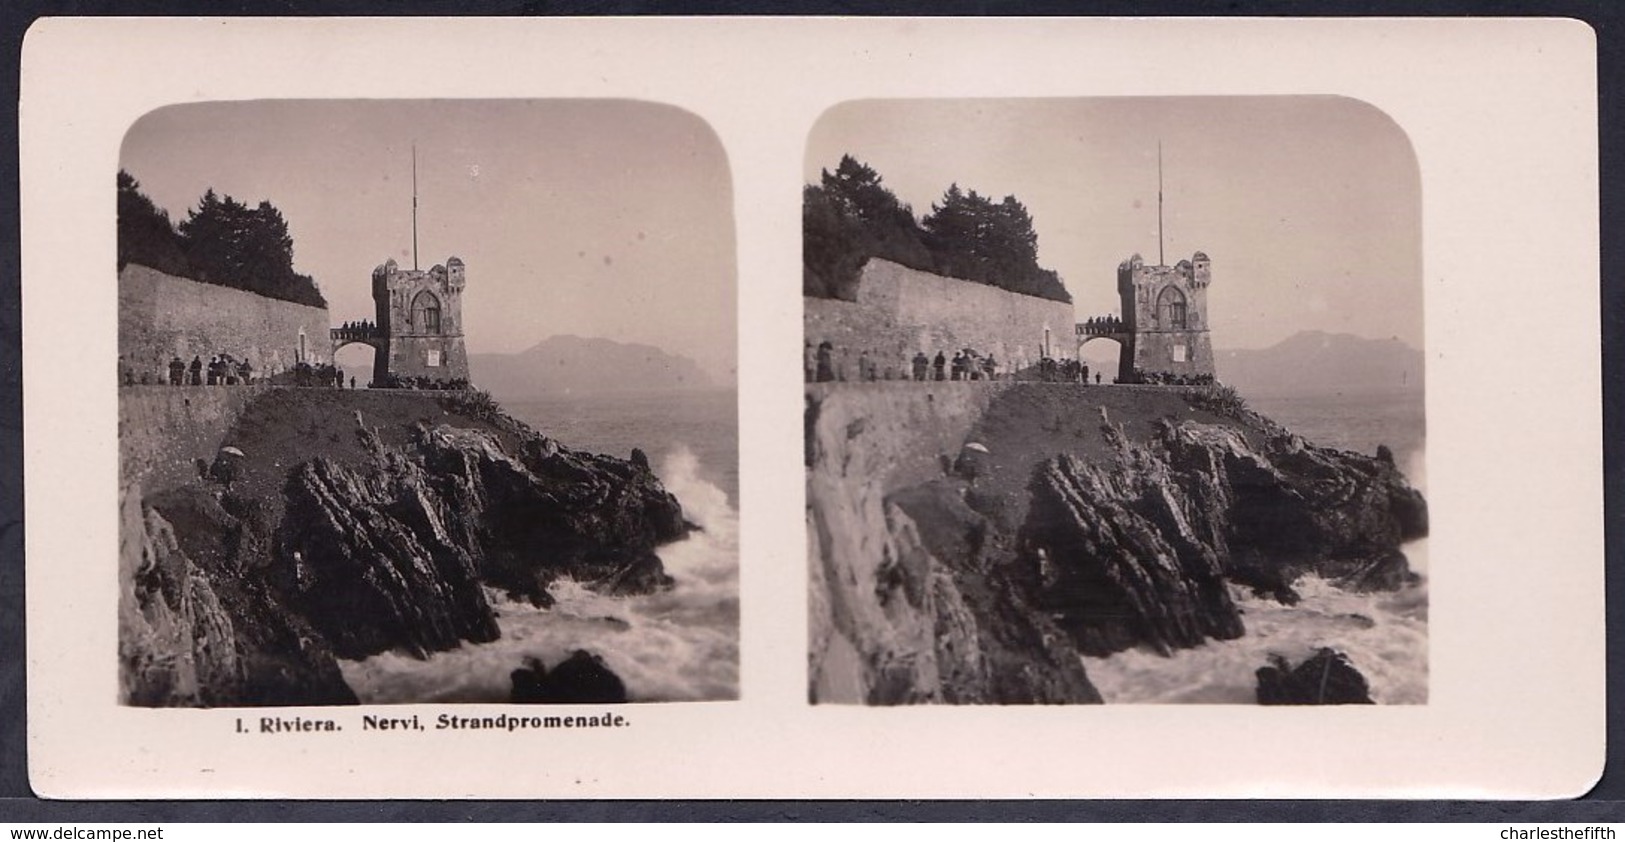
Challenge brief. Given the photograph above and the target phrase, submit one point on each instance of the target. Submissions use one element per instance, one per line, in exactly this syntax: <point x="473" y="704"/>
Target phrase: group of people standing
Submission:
<point x="1103" y="324"/>
<point x="226" y="370"/>
<point x="396" y="381"/>
<point x="324" y="375"/>
<point x="967" y="364"/>
<point x="360" y="329"/>
<point x="1065" y="371"/>
<point x="221" y="370"/>
<point x="824" y="364"/>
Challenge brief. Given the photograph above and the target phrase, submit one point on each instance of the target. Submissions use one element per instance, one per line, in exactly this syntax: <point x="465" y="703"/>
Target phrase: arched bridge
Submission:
<point x="1115" y="329"/>
<point x="1102" y="327"/>
<point x="365" y="333"/>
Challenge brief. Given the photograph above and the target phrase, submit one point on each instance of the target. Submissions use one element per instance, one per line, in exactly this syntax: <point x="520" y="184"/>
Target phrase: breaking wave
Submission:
<point x="678" y="645"/>
<point x="1383" y="634"/>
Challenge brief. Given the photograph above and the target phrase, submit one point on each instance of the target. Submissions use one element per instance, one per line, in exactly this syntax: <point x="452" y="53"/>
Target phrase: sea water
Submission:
<point x="705" y="422"/>
<point x="1383" y="634"/>
<point x="677" y="645"/>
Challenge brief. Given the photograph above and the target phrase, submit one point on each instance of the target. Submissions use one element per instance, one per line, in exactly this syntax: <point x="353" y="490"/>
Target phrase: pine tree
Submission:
<point x="851" y="216"/>
<point x="231" y="244"/>
<point x="145" y="234"/>
<point x="973" y="238"/>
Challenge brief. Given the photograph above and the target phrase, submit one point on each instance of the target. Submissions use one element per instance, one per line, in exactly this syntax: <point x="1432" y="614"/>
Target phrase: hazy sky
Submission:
<point x="1309" y="206"/>
<point x="598" y="218"/>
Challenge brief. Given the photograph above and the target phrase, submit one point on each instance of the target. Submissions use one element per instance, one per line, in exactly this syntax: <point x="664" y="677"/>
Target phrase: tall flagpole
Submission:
<point x="1160" y="260"/>
<point x="415" y="205"/>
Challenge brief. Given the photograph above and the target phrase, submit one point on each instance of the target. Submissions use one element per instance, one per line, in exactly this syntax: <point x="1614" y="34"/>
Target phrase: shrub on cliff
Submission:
<point x="222" y="242"/>
<point x="477" y="404"/>
<point x="1220" y="400"/>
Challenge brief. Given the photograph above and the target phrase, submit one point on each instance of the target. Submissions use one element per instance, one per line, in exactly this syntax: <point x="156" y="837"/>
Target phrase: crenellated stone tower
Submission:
<point x="420" y="317"/>
<point x="1165" y="309"/>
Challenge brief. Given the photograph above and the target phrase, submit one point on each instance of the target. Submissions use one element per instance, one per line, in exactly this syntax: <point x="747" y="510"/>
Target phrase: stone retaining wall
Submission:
<point x="163" y="316"/>
<point x="164" y="430"/>
<point x="901" y="311"/>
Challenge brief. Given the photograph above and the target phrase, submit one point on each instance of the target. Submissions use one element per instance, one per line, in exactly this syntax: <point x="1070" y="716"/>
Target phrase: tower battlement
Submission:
<point x="420" y="315"/>
<point x="1165" y="316"/>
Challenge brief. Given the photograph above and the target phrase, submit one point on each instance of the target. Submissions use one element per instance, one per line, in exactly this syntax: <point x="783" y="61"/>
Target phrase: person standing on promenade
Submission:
<point x="826" y="362"/>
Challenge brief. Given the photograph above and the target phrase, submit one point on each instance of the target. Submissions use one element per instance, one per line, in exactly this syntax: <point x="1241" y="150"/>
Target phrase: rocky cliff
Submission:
<point x="1078" y="521"/>
<point x="353" y="524"/>
<point x="906" y="610"/>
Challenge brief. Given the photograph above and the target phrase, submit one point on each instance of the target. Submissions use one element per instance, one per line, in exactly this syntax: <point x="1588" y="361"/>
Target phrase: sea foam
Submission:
<point x="678" y="645"/>
<point x="1383" y="634"/>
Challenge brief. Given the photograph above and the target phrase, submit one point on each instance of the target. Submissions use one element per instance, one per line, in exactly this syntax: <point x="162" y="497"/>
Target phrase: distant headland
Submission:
<point x="584" y="365"/>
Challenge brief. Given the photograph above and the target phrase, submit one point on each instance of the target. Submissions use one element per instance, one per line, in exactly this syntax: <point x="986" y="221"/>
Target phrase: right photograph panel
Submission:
<point x="1114" y="400"/>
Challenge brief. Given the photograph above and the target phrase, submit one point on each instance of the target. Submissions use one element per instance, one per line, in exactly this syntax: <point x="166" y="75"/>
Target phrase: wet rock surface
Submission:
<point x="1325" y="678"/>
<point x="1138" y="550"/>
<point x="199" y="628"/>
<point x="908" y="602"/>
<point x="1093" y="521"/>
<point x="582" y="678"/>
<point x="354" y="538"/>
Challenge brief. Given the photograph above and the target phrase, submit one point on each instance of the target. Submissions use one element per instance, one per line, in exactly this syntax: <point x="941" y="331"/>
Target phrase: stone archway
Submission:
<point x="1109" y="365"/>
<point x="365" y="375"/>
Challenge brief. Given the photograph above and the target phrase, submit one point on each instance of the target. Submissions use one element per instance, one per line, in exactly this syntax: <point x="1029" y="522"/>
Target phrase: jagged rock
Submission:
<point x="1075" y="537"/>
<point x="1326" y="678"/>
<point x="176" y="642"/>
<point x="984" y="643"/>
<point x="908" y="604"/>
<point x="392" y="555"/>
<point x="374" y="561"/>
<point x="582" y="678"/>
<point x="1145" y="544"/>
<point x="198" y="628"/>
<point x="1128" y="566"/>
<point x="378" y="539"/>
<point x="1385" y="573"/>
<point x="553" y="512"/>
<point x="973" y="461"/>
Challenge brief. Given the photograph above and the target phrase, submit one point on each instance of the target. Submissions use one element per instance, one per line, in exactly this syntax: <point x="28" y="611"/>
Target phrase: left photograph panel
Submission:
<point x="426" y="401"/>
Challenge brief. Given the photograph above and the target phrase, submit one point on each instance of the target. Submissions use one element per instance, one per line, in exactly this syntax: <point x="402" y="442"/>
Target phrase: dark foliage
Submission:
<point x="847" y="219"/>
<point x="145" y="234"/>
<point x="475" y="403"/>
<point x="222" y="241"/>
<point x="850" y="217"/>
<point x="1220" y="400"/>
<point x="975" y="238"/>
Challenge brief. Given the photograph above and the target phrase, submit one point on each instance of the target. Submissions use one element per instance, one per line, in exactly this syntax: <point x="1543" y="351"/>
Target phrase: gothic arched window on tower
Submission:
<point x="426" y="312"/>
<point x="1171" y="308"/>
